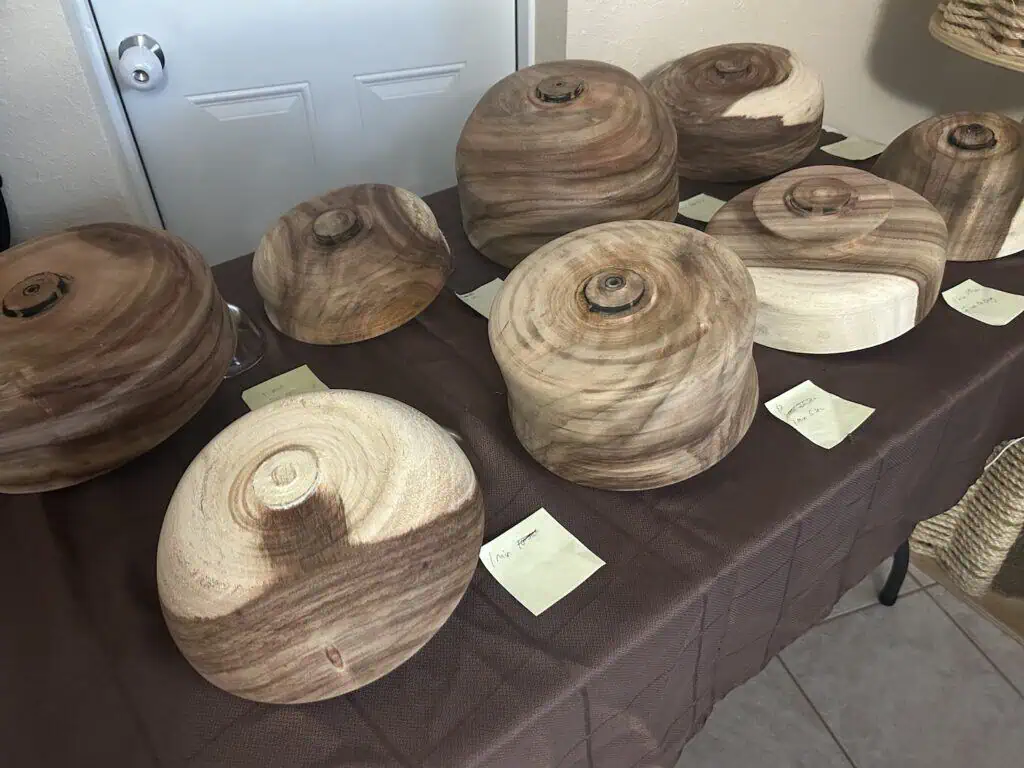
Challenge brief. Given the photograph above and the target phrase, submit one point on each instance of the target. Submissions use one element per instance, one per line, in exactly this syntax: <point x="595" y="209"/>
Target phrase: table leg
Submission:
<point x="898" y="572"/>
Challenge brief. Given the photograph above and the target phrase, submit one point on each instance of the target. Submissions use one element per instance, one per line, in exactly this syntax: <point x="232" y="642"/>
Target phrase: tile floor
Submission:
<point x="926" y="683"/>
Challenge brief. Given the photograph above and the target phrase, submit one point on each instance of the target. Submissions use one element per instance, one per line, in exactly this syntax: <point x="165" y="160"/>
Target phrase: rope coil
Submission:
<point x="996" y="24"/>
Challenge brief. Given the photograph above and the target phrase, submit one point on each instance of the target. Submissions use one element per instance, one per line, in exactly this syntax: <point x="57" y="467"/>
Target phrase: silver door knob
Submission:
<point x="140" y="62"/>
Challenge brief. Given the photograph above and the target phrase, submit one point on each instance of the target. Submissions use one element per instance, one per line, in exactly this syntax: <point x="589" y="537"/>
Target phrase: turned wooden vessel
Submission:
<point x="316" y="544"/>
<point x="350" y="265"/>
<point x="970" y="166"/>
<point x="626" y="350"/>
<point x="742" y="111"/>
<point x="560" y="146"/>
<point x="112" y="336"/>
<point x="842" y="259"/>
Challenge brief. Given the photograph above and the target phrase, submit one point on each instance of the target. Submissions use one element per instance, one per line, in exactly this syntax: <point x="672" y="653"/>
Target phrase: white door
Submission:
<point x="262" y="104"/>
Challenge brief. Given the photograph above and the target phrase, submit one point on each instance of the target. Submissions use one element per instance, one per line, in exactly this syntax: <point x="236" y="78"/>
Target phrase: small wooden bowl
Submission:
<point x="560" y="146"/>
<point x="842" y="259"/>
<point x="350" y="265"/>
<point x="970" y="166"/>
<point x="626" y="350"/>
<point x="743" y="111"/>
<point x="112" y="336"/>
<point x="316" y="544"/>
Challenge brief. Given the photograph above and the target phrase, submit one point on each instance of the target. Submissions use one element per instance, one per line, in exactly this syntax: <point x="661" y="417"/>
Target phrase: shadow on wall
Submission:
<point x="913" y="67"/>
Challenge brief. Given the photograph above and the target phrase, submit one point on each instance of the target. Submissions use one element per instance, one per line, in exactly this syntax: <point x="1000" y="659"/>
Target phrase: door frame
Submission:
<point x="86" y="35"/>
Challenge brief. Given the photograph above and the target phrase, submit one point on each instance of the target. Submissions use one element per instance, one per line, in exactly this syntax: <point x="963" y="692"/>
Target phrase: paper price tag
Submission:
<point x="295" y="382"/>
<point x="700" y="207"/>
<point x="1014" y="242"/>
<point x="483" y="297"/>
<point x="985" y="304"/>
<point x="820" y="416"/>
<point x="538" y="561"/>
<point x="854" y="148"/>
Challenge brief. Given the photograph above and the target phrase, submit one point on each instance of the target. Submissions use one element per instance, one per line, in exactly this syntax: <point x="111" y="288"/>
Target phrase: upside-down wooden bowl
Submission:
<point x="316" y="544"/>
<point x="561" y="146"/>
<point x="350" y="265"/>
<point x="112" y="336"/>
<point x="626" y="350"/>
<point x="970" y="166"/>
<point x="842" y="259"/>
<point x="742" y="111"/>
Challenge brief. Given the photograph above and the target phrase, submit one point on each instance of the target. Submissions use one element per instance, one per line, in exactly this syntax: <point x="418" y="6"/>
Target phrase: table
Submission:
<point x="705" y="581"/>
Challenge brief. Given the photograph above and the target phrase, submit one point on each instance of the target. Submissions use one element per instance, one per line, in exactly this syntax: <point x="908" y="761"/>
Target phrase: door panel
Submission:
<point x="404" y="111"/>
<point x="266" y="104"/>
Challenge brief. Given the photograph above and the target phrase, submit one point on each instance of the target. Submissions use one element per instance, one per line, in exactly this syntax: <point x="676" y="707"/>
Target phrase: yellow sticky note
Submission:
<point x="854" y="148"/>
<point x="483" y="297"/>
<point x="294" y="382"/>
<point x="700" y="207"/>
<point x="538" y="561"/>
<point x="823" y="418"/>
<point x="985" y="304"/>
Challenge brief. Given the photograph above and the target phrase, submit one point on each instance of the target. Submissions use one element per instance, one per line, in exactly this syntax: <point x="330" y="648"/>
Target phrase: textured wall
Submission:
<point x="56" y="158"/>
<point x="882" y="70"/>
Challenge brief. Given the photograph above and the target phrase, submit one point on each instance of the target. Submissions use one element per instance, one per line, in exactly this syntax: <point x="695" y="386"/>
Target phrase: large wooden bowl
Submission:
<point x="842" y="259"/>
<point x="112" y="336"/>
<point x="970" y="166"/>
<point x="742" y="111"/>
<point x="556" y="147"/>
<point x="350" y="265"/>
<point x="316" y="544"/>
<point x="626" y="350"/>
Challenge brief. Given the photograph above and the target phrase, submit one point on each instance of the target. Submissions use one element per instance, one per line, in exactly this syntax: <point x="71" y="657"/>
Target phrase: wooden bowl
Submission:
<point x="842" y="260"/>
<point x="350" y="265"/>
<point x="970" y="166"/>
<point x="556" y="147"/>
<point x="316" y="544"/>
<point x="112" y="336"/>
<point x="743" y="111"/>
<point x="626" y="350"/>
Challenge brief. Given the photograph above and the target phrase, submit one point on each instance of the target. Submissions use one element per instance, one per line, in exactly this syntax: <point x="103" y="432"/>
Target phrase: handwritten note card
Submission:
<point x="985" y="304"/>
<point x="481" y="298"/>
<point x="294" y="382"/>
<point x="820" y="416"/>
<point x="854" y="148"/>
<point x="538" y="561"/>
<point x="700" y="207"/>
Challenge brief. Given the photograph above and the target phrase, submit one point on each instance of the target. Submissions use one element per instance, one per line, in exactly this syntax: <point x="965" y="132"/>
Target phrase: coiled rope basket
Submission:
<point x="990" y="30"/>
<point x="977" y="541"/>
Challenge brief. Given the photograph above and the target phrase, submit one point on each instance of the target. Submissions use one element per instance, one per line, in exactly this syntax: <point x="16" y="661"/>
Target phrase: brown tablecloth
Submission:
<point x="705" y="581"/>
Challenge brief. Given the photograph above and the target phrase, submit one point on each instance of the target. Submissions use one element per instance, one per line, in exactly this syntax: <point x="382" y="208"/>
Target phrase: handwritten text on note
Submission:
<point x="700" y="207"/>
<point x="483" y="297"/>
<point x="295" y="382"/>
<point x="820" y="416"/>
<point x="985" y="304"/>
<point x="538" y="561"/>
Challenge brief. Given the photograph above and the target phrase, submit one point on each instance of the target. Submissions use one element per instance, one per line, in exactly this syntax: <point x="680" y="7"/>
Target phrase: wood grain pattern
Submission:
<point x="626" y="349"/>
<point x="842" y="259"/>
<point x="112" y="336"/>
<point x="742" y="111"/>
<point x="970" y="166"/>
<point x="561" y="146"/>
<point x="352" y="264"/>
<point x="316" y="544"/>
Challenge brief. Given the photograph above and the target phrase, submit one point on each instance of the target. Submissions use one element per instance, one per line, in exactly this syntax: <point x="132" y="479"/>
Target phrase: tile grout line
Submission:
<point x="970" y="639"/>
<point x="875" y="604"/>
<point x="821" y="717"/>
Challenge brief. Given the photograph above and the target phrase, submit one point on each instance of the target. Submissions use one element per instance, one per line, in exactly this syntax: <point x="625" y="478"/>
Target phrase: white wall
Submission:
<point x="57" y="157"/>
<point x="882" y="70"/>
